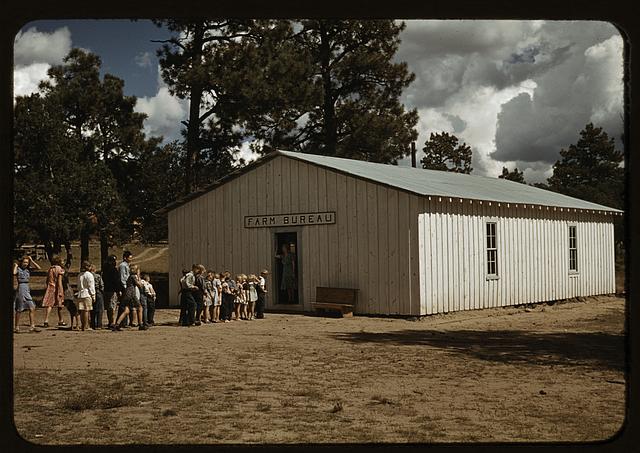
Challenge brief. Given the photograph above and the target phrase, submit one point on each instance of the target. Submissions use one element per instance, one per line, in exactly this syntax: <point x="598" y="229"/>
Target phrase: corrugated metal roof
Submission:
<point x="449" y="184"/>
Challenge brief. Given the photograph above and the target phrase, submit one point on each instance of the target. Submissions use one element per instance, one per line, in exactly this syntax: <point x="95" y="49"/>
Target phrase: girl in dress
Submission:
<point x="216" y="294"/>
<point x="22" y="300"/>
<point x="131" y="299"/>
<point x="253" y="295"/>
<point x="54" y="294"/>
<point x="207" y="298"/>
<point x="245" y="300"/>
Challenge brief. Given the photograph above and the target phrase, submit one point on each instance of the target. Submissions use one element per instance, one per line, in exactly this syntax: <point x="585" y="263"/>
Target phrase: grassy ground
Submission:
<point x="552" y="373"/>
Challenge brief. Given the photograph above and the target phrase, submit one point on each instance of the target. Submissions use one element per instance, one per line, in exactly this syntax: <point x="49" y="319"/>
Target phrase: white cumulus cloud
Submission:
<point x="34" y="52"/>
<point x="27" y="78"/>
<point x="515" y="91"/>
<point x="33" y="46"/>
<point x="164" y="113"/>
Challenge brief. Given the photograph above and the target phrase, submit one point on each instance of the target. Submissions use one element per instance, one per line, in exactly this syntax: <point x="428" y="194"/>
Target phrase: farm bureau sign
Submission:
<point x="309" y="218"/>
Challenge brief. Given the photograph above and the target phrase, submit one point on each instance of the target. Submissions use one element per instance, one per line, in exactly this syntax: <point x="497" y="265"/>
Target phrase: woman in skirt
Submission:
<point x="23" y="300"/>
<point x="54" y="294"/>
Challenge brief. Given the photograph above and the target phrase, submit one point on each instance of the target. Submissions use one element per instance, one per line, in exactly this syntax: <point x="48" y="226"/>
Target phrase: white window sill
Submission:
<point x="493" y="277"/>
<point x="574" y="274"/>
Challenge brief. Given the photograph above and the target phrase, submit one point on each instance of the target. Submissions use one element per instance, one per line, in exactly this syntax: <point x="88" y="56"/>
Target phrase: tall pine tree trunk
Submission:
<point x="104" y="247"/>
<point x="329" y="117"/>
<point x="84" y="244"/>
<point x="193" y="128"/>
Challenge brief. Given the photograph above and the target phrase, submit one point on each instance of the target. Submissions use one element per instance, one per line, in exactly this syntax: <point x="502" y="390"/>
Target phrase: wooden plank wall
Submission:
<point x="373" y="246"/>
<point x="533" y="255"/>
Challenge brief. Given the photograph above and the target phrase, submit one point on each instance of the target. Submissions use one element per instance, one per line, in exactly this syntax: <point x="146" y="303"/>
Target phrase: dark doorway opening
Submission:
<point x="287" y="269"/>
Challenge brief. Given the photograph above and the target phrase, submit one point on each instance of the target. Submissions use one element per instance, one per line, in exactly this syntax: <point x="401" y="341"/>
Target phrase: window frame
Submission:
<point x="488" y="262"/>
<point x="576" y="269"/>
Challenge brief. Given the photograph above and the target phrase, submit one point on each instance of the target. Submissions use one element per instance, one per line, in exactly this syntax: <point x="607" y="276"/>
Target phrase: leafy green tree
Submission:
<point x="44" y="168"/>
<point x="515" y="175"/>
<point x="159" y="178"/>
<point x="442" y="152"/>
<point x="101" y="118"/>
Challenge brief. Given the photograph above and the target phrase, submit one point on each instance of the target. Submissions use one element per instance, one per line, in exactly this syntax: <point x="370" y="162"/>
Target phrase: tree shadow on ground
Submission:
<point x="594" y="349"/>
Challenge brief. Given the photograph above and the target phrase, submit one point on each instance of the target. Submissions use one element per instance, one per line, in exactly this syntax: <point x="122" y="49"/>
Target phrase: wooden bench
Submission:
<point x="342" y="300"/>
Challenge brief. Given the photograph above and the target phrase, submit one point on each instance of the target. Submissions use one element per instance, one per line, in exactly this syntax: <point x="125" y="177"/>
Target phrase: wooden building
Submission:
<point x="412" y="241"/>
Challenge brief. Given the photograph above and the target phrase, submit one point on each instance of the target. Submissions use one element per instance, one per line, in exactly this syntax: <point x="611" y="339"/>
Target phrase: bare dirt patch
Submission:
<point x="551" y="373"/>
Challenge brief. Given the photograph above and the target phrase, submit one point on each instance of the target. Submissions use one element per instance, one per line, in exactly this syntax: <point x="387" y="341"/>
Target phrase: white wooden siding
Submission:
<point x="408" y="255"/>
<point x="533" y="255"/>
<point x="373" y="246"/>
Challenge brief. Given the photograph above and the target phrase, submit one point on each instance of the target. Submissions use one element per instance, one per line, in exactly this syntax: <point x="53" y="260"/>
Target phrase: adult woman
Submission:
<point x="23" y="300"/>
<point x="54" y="294"/>
<point x="288" y="261"/>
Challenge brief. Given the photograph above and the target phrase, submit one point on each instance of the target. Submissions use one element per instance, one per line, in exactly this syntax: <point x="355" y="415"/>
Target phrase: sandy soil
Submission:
<point x="549" y="373"/>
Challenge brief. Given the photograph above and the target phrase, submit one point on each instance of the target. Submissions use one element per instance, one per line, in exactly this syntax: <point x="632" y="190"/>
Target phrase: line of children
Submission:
<point x="209" y="297"/>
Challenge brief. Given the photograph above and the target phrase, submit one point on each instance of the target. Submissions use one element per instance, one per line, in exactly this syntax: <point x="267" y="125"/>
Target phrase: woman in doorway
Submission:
<point x="54" y="294"/>
<point x="288" y="260"/>
<point x="23" y="300"/>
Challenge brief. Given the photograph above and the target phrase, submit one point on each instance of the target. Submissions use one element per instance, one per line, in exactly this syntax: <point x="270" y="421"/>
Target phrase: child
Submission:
<point x="147" y="288"/>
<point x="239" y="293"/>
<point x="180" y="295"/>
<point x="69" y="301"/>
<point x="98" y="307"/>
<point x="253" y="295"/>
<point x="245" y="297"/>
<point x="228" y="296"/>
<point x="23" y="300"/>
<point x="217" y="297"/>
<point x="261" y="289"/>
<point x="86" y="294"/>
<point x="54" y="294"/>
<point x="131" y="299"/>
<point x="199" y="293"/>
<point x="208" y="298"/>
<point x="187" y="301"/>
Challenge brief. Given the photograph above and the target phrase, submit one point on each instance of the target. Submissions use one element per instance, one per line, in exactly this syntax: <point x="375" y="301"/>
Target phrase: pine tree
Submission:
<point x="203" y="61"/>
<point x="515" y="175"/>
<point x="349" y="103"/>
<point x="591" y="169"/>
<point x="442" y="152"/>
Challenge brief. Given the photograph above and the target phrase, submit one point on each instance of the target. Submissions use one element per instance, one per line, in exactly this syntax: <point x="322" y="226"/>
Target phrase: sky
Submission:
<point x="517" y="92"/>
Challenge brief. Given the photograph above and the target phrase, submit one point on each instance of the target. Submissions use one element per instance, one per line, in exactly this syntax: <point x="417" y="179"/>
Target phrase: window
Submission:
<point x="573" y="249"/>
<point x="492" y="251"/>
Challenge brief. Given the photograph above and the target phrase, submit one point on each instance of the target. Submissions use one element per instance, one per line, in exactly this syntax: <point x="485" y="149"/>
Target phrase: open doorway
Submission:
<point x="287" y="272"/>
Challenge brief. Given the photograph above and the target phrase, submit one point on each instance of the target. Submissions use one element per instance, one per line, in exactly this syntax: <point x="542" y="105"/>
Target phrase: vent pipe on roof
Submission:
<point x="413" y="154"/>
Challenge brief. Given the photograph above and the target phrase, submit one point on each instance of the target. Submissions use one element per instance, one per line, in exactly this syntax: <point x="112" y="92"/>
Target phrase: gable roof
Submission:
<point x="422" y="182"/>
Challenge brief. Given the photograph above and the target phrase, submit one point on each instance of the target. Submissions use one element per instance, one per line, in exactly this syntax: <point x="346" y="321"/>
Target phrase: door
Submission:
<point x="287" y="272"/>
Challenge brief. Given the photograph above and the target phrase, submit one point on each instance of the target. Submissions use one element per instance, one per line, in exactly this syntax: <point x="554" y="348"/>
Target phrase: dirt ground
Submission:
<point x="548" y="373"/>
